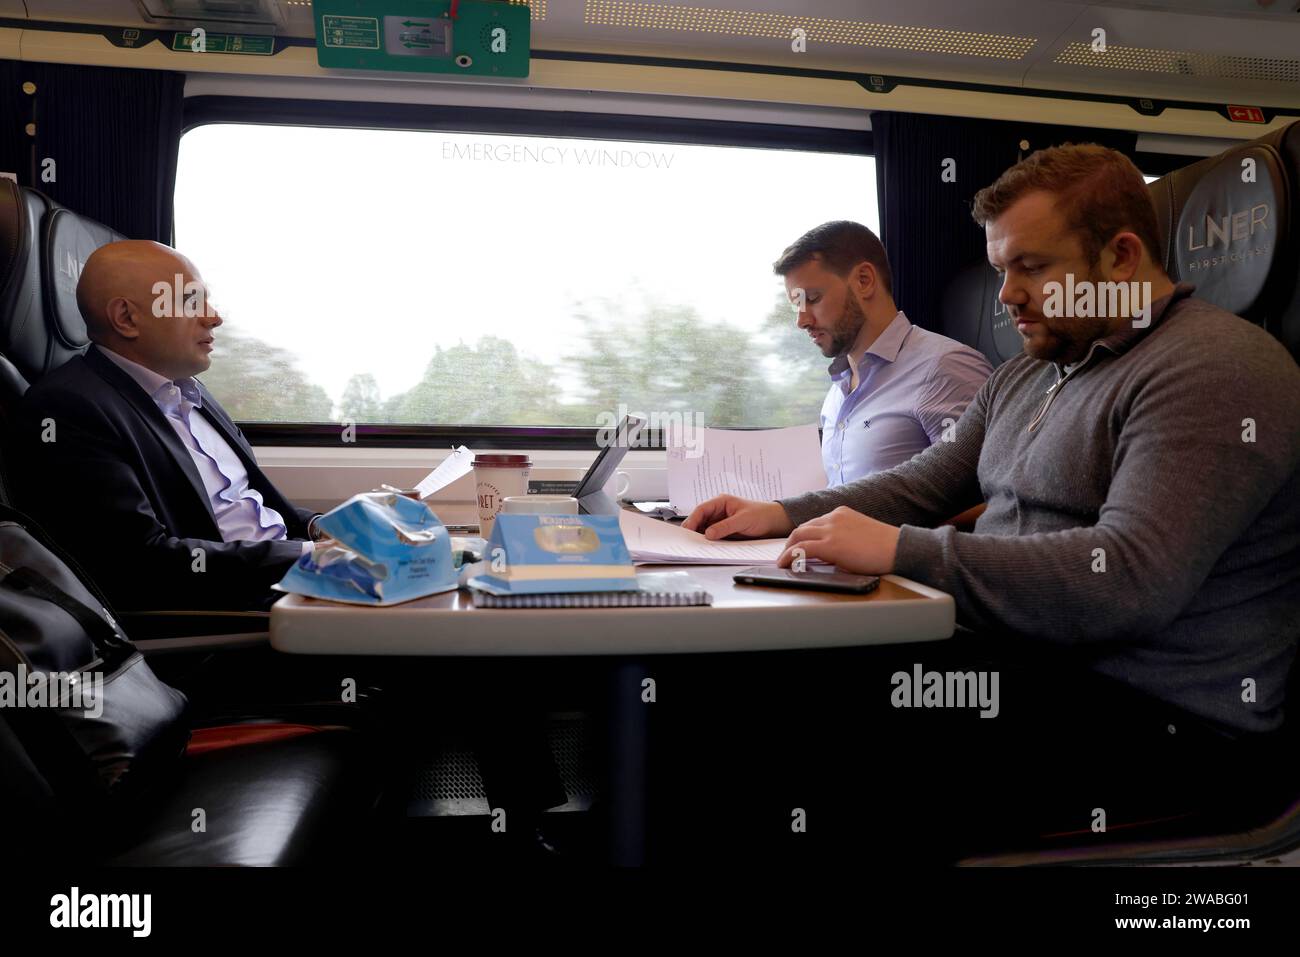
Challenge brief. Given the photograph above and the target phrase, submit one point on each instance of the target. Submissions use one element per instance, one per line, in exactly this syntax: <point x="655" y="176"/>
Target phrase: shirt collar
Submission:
<point x="156" y="386"/>
<point x="887" y="346"/>
<point x="890" y="342"/>
<point x="1117" y="343"/>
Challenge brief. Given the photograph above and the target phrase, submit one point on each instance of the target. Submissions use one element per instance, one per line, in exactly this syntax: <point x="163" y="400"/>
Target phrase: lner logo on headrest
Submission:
<point x="72" y="266"/>
<point x="1228" y="228"/>
<point x="1001" y="319"/>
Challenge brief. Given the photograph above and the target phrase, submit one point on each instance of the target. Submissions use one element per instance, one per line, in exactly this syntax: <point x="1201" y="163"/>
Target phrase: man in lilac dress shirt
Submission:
<point x="134" y="467"/>
<point x="895" y="388"/>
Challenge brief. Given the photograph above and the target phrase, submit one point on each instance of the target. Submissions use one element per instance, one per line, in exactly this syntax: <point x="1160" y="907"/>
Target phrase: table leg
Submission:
<point x="628" y="738"/>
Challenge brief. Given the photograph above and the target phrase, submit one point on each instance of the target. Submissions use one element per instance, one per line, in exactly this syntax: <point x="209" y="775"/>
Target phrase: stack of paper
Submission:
<point x="650" y="540"/>
<point x="764" y="464"/>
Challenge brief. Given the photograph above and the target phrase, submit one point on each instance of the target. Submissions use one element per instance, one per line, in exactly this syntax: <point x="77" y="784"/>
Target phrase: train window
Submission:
<point x="429" y="277"/>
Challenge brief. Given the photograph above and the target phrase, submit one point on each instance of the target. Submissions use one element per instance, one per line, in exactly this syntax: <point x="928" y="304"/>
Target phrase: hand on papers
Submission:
<point x="847" y="539"/>
<point x="655" y="542"/>
<point x="731" y="515"/>
<point x="844" y="538"/>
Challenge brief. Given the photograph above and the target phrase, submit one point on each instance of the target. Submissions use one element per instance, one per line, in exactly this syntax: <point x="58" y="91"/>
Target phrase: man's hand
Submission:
<point x="730" y="515"/>
<point x="846" y="539"/>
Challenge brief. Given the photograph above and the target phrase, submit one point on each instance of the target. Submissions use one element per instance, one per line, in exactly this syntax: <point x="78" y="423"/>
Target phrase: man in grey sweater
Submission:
<point x="1136" y="575"/>
<point x="1141" y="469"/>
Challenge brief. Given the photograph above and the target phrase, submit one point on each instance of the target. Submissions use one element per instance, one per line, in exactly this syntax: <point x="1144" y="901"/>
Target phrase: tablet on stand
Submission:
<point x="590" y="493"/>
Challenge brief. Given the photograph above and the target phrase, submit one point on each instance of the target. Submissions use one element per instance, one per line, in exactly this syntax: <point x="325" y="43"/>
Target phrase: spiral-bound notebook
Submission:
<point x="657" y="590"/>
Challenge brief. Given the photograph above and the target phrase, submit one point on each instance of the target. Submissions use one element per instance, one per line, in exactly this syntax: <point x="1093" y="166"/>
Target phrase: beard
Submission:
<point x="1063" y="339"/>
<point x="844" y="333"/>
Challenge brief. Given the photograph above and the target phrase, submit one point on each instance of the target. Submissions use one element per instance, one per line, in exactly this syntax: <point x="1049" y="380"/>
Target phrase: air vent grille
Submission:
<point x="1183" y="63"/>
<point x="885" y="36"/>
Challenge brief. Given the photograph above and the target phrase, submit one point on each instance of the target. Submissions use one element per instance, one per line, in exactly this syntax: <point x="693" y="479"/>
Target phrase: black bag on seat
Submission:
<point x="116" y="728"/>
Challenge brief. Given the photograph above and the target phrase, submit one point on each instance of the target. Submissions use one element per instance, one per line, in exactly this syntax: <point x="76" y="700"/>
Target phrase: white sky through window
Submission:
<point x="361" y="250"/>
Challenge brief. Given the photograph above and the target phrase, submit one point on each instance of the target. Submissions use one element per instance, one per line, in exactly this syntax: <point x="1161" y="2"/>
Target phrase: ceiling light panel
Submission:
<point x="637" y="15"/>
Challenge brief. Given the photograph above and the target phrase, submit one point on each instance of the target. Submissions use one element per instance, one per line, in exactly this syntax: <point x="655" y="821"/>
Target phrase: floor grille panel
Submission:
<point x="451" y="785"/>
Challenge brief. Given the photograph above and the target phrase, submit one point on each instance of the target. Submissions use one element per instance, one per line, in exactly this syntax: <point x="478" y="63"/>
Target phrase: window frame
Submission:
<point x="353" y="114"/>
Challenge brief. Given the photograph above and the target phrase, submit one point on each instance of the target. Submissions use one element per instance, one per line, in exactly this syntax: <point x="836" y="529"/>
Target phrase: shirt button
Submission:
<point x="841" y="426"/>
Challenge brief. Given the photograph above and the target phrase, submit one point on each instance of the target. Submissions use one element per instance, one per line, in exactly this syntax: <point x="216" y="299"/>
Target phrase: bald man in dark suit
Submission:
<point x="133" y="465"/>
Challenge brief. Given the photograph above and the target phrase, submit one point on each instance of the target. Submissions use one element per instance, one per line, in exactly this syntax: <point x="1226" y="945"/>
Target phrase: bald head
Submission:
<point x="147" y="302"/>
<point x="126" y="269"/>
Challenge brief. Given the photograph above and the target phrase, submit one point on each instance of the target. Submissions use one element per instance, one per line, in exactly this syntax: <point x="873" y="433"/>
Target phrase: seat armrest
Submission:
<point x="153" y="647"/>
<point x="171" y="630"/>
<point x="965" y="522"/>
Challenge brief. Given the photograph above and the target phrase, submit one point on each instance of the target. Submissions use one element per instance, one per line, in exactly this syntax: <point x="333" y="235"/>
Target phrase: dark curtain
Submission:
<point x="925" y="222"/>
<point x="113" y="135"/>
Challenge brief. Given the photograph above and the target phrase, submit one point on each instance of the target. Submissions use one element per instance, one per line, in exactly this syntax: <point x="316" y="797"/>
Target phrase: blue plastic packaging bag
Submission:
<point x="387" y="549"/>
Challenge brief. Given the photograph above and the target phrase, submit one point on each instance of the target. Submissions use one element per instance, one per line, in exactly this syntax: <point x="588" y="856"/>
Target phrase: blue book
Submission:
<point x="539" y="554"/>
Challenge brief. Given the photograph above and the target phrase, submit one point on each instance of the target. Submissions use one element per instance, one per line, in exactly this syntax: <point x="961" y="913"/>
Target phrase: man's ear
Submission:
<point x="1127" y="248"/>
<point x="120" y="318"/>
<point x="864" y="280"/>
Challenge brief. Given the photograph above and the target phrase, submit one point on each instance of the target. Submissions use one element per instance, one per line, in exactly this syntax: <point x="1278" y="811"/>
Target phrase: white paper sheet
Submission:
<point x="763" y="464"/>
<point x="451" y="468"/>
<point x="650" y="540"/>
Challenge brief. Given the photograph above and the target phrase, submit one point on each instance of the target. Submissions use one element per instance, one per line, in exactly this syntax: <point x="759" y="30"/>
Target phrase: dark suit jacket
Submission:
<point x="118" y="489"/>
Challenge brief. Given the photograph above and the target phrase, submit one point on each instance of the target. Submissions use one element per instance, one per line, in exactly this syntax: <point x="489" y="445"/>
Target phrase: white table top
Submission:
<point x="742" y="618"/>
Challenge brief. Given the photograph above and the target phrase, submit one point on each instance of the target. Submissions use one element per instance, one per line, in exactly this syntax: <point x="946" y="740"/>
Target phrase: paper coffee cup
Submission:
<point x="496" y="478"/>
<point x="540" y="505"/>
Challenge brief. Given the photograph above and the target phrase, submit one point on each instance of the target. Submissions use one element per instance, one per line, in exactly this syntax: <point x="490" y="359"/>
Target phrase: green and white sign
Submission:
<point x="246" y="44"/>
<point x="349" y="33"/>
<point x="483" y="38"/>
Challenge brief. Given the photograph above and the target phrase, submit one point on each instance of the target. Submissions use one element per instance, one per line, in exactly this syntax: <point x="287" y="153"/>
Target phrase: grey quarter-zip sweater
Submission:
<point x="1143" y="510"/>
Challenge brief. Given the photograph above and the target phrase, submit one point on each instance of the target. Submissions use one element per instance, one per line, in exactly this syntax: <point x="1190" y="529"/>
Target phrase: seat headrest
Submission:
<point x="43" y="247"/>
<point x="973" y="314"/>
<point x="68" y="240"/>
<point x="21" y="302"/>
<point x="1162" y="198"/>
<point x="1232" y="228"/>
<point x="1229" y="225"/>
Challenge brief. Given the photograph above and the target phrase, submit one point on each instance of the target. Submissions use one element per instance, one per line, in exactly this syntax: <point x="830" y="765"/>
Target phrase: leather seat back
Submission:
<point x="21" y="308"/>
<point x="43" y="247"/>
<point x="1228" y="223"/>
<point x="973" y="314"/>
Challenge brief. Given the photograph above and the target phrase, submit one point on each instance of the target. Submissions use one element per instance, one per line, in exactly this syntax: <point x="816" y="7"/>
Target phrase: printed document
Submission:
<point x="763" y="464"/>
